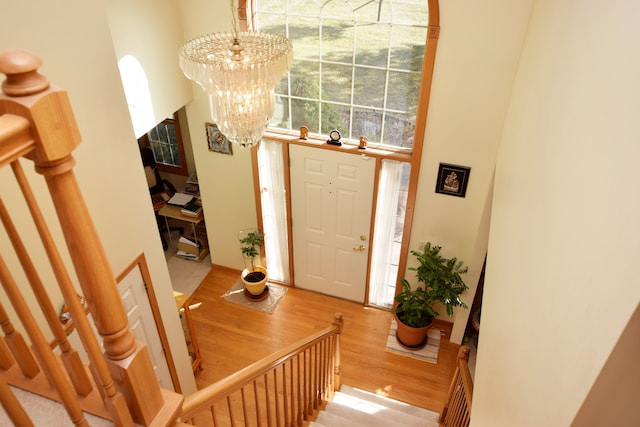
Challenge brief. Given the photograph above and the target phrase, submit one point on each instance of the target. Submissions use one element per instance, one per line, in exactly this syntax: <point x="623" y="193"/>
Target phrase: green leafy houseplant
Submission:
<point x="442" y="283"/>
<point x="250" y="246"/>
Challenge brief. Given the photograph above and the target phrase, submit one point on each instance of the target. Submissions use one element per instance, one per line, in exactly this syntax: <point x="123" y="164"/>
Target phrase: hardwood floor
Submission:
<point x="232" y="336"/>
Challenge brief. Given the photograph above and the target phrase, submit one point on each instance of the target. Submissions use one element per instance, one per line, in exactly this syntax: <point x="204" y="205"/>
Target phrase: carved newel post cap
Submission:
<point x="21" y="68"/>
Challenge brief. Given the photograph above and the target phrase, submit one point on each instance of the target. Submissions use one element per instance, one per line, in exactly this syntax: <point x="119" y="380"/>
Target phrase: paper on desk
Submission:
<point x="180" y="199"/>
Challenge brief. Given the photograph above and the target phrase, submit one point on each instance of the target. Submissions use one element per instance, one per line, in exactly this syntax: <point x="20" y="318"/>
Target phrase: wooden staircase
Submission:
<point x="356" y="408"/>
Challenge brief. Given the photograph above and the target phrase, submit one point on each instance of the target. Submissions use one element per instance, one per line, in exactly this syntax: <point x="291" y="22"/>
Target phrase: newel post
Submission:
<point x="55" y="133"/>
<point x="337" y="321"/>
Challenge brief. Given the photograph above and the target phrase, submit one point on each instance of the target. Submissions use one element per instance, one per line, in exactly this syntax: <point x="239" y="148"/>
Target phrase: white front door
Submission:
<point x="331" y="199"/>
<point x="142" y="323"/>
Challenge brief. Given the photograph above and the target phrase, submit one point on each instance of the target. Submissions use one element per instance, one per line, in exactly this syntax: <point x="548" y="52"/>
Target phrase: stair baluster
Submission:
<point x="18" y="347"/>
<point x="37" y="123"/>
<point x="286" y="376"/>
<point x="70" y="357"/>
<point x="44" y="354"/>
<point x="13" y="407"/>
<point x="457" y="409"/>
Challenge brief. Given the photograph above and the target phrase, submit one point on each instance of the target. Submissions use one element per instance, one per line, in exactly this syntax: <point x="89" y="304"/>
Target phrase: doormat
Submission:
<point x="428" y="353"/>
<point x="268" y="305"/>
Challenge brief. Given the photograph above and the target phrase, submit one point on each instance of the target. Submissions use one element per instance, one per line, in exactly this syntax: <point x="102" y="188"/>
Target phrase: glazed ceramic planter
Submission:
<point x="254" y="288"/>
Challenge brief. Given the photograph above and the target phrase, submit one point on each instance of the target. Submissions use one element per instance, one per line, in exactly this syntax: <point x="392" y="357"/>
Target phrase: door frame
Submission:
<point x="315" y="142"/>
<point x="140" y="261"/>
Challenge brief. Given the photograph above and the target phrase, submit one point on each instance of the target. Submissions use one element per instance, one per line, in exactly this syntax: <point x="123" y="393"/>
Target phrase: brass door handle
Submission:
<point x="360" y="248"/>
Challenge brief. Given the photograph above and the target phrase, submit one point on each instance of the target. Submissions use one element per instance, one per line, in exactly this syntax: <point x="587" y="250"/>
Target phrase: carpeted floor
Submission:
<point x="45" y="412"/>
<point x="186" y="275"/>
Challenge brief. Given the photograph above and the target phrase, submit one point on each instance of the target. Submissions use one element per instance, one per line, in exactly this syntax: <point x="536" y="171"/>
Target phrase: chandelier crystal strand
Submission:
<point x="239" y="71"/>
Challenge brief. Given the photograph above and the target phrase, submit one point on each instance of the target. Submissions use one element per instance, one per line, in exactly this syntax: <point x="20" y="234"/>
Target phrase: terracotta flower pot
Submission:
<point x="411" y="337"/>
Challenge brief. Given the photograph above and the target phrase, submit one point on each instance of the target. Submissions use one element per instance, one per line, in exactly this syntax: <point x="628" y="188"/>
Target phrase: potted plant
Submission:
<point x="441" y="282"/>
<point x="254" y="276"/>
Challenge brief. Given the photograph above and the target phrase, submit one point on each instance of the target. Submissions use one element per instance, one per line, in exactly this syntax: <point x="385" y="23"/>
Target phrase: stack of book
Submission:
<point x="192" y="189"/>
<point x="192" y="209"/>
<point x="188" y="248"/>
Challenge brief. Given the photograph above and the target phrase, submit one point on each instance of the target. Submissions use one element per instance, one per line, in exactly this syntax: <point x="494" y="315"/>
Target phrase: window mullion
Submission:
<point x="353" y="77"/>
<point x="386" y="83"/>
<point x="320" y="58"/>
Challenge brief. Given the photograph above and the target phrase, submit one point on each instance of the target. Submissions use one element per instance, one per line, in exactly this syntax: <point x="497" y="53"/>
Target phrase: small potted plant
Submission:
<point x="254" y="276"/>
<point x="441" y="282"/>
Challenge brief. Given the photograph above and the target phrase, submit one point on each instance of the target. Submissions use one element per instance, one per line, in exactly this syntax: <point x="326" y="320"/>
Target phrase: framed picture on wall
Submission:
<point x="216" y="140"/>
<point x="452" y="179"/>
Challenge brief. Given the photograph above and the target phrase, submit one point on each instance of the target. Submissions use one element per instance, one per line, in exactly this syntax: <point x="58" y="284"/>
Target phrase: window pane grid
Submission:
<point x="164" y="142"/>
<point x="383" y="45"/>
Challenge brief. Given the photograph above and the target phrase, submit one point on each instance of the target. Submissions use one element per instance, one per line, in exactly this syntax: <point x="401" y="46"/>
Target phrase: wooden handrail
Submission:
<point x="457" y="409"/>
<point x="304" y="393"/>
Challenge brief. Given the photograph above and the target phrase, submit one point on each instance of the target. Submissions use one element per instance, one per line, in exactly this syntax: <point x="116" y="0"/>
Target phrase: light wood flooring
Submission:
<point x="232" y="336"/>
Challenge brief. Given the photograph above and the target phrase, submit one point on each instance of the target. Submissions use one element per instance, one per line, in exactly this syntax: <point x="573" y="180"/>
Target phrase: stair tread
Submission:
<point x="370" y="410"/>
<point x="333" y="420"/>
<point x="391" y="403"/>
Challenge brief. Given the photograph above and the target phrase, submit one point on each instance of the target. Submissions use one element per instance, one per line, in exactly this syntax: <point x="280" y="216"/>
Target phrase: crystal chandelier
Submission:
<point x="239" y="71"/>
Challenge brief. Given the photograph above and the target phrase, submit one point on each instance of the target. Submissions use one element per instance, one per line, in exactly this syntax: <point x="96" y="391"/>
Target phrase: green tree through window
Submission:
<point x="357" y="66"/>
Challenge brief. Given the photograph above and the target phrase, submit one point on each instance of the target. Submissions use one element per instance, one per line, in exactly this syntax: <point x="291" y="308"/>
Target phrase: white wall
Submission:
<point x="561" y="283"/>
<point x="226" y="182"/>
<point x="75" y="44"/>
<point x="148" y="32"/>
<point x="476" y="60"/>
<point x="613" y="399"/>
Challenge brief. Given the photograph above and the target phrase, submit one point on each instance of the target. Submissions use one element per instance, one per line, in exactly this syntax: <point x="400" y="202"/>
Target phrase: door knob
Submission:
<point x="360" y="248"/>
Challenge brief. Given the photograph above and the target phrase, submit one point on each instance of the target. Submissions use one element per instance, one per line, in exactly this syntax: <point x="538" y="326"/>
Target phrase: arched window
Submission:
<point x="357" y="66"/>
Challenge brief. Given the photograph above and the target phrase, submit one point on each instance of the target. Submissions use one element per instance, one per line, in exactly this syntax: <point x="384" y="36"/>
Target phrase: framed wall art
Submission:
<point x="216" y="140"/>
<point x="452" y="179"/>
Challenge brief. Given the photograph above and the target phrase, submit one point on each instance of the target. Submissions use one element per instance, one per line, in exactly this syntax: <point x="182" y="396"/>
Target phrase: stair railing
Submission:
<point x="286" y="388"/>
<point x="37" y="124"/>
<point x="457" y="409"/>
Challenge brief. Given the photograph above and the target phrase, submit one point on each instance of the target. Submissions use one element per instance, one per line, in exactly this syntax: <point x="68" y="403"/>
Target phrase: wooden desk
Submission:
<point x="182" y="303"/>
<point x="175" y="212"/>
